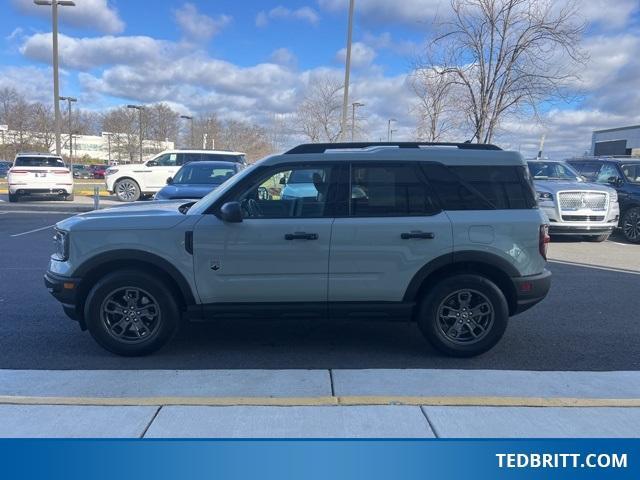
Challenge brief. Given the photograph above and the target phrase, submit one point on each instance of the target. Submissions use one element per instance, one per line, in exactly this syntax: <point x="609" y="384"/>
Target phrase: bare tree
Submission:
<point x="42" y="126"/>
<point x="319" y="116"/>
<point x="207" y="126"/>
<point x="507" y="56"/>
<point x="122" y="123"/>
<point x="162" y="123"/>
<point x="245" y="137"/>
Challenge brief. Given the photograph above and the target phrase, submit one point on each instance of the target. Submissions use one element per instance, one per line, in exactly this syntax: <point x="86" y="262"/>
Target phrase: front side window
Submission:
<point x="632" y="172"/>
<point x="389" y="191"/>
<point x="276" y="196"/>
<point x="166" y="160"/>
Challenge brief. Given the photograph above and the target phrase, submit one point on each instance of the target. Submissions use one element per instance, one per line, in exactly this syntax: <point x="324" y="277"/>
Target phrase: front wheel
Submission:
<point x="631" y="225"/>
<point x="131" y="313"/>
<point x="14" y="197"/>
<point x="464" y="315"/>
<point x="127" y="190"/>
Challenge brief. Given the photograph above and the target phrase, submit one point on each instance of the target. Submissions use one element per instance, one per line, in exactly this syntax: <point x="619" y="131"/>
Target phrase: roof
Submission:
<point x="212" y="163"/>
<point x="618" y="129"/>
<point x="605" y="159"/>
<point x="37" y="154"/>
<point x="211" y="152"/>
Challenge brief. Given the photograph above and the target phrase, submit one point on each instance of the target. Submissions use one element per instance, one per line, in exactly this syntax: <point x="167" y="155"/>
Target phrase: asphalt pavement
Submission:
<point x="589" y="322"/>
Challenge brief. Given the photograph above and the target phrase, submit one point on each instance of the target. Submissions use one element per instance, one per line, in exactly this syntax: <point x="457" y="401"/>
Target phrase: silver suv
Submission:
<point x="573" y="206"/>
<point x="447" y="235"/>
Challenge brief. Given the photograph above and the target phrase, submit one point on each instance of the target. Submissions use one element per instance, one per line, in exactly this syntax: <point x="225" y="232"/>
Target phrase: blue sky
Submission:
<point x="250" y="59"/>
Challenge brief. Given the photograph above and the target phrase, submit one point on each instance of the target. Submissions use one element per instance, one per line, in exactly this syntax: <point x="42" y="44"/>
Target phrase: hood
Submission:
<point x="185" y="191"/>
<point x="135" y="216"/>
<point x="554" y="186"/>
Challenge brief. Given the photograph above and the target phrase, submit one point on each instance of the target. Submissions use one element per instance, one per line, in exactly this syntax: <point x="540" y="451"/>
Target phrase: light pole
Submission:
<point x="108" y="135"/>
<point x="69" y="100"/>
<point x="139" y="108"/>
<point x="190" y="118"/>
<point x="389" y="128"/>
<point x="354" y="105"/>
<point x="392" y="132"/>
<point x="56" y="87"/>
<point x="347" y="69"/>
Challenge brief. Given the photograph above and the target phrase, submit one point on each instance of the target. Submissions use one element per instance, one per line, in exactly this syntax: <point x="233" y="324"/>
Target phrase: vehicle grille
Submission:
<point x="582" y="218"/>
<point x="583" y="201"/>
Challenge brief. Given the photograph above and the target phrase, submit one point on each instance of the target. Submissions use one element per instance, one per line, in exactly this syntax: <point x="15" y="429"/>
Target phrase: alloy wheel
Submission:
<point x="130" y="315"/>
<point x="126" y="190"/>
<point x="631" y="225"/>
<point x="465" y="317"/>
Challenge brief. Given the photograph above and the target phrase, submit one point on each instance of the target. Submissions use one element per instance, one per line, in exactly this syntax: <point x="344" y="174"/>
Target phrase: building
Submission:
<point x="616" y="141"/>
<point x="108" y="147"/>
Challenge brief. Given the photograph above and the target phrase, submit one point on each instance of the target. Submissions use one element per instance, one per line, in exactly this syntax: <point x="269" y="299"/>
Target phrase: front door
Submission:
<point x="280" y="251"/>
<point x="393" y="229"/>
<point x="159" y="169"/>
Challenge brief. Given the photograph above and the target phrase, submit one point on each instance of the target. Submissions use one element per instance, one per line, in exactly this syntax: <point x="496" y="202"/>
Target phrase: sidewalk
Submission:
<point x="319" y="403"/>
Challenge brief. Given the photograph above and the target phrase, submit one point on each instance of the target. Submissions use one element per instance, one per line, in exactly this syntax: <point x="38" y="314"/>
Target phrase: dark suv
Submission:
<point x="623" y="174"/>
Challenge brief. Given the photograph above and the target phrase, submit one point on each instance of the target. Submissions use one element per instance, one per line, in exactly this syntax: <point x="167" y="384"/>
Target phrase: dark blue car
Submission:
<point x="195" y="180"/>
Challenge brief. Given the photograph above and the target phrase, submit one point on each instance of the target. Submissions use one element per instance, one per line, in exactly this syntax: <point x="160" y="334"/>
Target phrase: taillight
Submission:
<point x="544" y="240"/>
<point x="18" y="171"/>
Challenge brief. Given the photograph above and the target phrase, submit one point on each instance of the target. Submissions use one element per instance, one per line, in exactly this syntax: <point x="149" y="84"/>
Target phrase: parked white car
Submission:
<point x="39" y="173"/>
<point x="131" y="182"/>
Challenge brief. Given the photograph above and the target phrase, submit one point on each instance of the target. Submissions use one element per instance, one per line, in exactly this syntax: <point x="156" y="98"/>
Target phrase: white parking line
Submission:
<point x="32" y="231"/>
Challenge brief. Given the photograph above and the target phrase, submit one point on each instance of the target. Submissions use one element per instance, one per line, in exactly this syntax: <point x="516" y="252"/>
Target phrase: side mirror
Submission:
<point x="231" y="212"/>
<point x="283" y="181"/>
<point x="615" y="181"/>
<point x="169" y="180"/>
<point x="152" y="163"/>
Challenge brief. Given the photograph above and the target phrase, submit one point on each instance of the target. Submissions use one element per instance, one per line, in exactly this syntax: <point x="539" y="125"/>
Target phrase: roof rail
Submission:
<point x="323" y="147"/>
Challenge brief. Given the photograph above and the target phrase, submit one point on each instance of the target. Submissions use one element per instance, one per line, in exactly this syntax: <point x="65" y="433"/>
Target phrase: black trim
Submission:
<point x="138" y="255"/>
<point x="66" y="296"/>
<point x="556" y="229"/>
<point x="188" y="241"/>
<point x="323" y="147"/>
<point x="402" y="311"/>
<point x="488" y="259"/>
<point x="540" y="285"/>
<point x="418" y="279"/>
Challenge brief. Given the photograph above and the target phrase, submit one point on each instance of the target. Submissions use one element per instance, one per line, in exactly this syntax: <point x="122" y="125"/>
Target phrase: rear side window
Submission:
<point x="221" y="157"/>
<point x="389" y="191"/>
<point x="38" y="162"/>
<point x="481" y="187"/>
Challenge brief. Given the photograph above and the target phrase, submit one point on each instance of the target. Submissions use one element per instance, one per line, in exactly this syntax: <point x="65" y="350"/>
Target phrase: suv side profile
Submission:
<point x="131" y="182"/>
<point x="622" y="174"/>
<point x="447" y="235"/>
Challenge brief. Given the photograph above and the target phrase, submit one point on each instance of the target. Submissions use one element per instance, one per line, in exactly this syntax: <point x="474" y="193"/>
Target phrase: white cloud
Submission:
<point x="361" y="55"/>
<point x="198" y="26"/>
<point x="283" y="56"/>
<point x="407" y="12"/>
<point x="305" y="14"/>
<point x="34" y="83"/>
<point x="87" y="14"/>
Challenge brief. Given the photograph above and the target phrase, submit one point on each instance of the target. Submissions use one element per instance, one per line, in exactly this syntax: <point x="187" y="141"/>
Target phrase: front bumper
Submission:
<point x="65" y="290"/>
<point x="531" y="290"/>
<point x="599" y="223"/>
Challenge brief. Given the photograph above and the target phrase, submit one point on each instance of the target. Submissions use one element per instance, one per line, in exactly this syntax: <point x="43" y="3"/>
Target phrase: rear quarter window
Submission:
<point x="481" y="187"/>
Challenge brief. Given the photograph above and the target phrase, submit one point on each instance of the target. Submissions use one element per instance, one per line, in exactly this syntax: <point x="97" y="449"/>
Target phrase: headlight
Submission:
<point x="613" y="196"/>
<point x="544" y="197"/>
<point x="61" y="243"/>
<point x="110" y="171"/>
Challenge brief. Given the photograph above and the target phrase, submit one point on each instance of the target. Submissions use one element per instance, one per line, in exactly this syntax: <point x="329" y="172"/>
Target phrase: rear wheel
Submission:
<point x="463" y="316"/>
<point x="127" y="190"/>
<point x="631" y="225"/>
<point x="131" y="313"/>
<point x="14" y="197"/>
<point x="598" y="238"/>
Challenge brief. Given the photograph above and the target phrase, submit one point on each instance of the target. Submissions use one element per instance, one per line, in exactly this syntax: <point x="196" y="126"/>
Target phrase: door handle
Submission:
<point x="418" y="235"/>
<point x="301" y="236"/>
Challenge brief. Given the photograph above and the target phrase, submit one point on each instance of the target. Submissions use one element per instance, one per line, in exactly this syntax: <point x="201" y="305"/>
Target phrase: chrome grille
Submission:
<point x="596" y="201"/>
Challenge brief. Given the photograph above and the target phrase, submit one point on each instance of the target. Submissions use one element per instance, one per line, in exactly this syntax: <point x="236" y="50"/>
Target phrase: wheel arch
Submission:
<point x="491" y="266"/>
<point x="97" y="267"/>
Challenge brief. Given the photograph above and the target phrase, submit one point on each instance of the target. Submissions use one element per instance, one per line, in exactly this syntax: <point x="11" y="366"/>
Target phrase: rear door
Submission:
<point x="393" y="228"/>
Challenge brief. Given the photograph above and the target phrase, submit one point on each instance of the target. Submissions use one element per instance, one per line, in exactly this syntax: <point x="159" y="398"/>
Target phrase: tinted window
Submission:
<point x="203" y="174"/>
<point x="221" y="157"/>
<point x="389" y="191"/>
<point x="587" y="169"/>
<point x="552" y="171"/>
<point x="191" y="157"/>
<point x="632" y="172"/>
<point x="38" y="162"/>
<point x="271" y="196"/>
<point x="481" y="187"/>
<point x="166" y="160"/>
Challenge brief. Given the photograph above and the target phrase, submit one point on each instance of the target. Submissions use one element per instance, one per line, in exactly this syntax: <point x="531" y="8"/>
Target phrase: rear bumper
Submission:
<point x="65" y="290"/>
<point x="531" y="290"/>
<point x="50" y="190"/>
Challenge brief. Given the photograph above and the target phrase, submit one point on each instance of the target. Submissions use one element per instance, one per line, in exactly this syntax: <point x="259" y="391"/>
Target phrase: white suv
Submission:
<point x="447" y="235"/>
<point x="39" y="173"/>
<point x="131" y="182"/>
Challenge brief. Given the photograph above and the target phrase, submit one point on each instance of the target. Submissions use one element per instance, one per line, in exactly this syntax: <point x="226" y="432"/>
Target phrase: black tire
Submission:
<point x="14" y="197"/>
<point x="69" y="198"/>
<point x="598" y="238"/>
<point x="481" y="289"/>
<point x="160" y="299"/>
<point x="127" y="190"/>
<point x="630" y="225"/>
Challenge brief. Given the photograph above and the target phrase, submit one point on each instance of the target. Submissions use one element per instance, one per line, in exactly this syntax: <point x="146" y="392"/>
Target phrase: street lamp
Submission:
<point x="139" y="108"/>
<point x="354" y="105"/>
<point x="389" y="128"/>
<point x="56" y="87"/>
<point x="347" y="68"/>
<point x="190" y="118"/>
<point x="69" y="100"/>
<point x="108" y="135"/>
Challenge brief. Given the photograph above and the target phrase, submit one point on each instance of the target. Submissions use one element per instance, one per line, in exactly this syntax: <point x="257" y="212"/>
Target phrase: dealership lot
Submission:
<point x="587" y="322"/>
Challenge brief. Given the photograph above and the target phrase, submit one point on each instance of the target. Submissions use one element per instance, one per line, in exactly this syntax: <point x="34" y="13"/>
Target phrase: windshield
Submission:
<point x="553" y="171"/>
<point x="632" y="172"/>
<point x="200" y="174"/>
<point x="38" y="162"/>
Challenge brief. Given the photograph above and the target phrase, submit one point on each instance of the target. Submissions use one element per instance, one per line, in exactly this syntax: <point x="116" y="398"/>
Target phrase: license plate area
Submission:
<point x="40" y="175"/>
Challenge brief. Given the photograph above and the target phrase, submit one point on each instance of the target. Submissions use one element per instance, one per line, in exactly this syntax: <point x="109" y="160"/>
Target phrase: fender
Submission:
<point x="142" y="256"/>
<point x="457" y="258"/>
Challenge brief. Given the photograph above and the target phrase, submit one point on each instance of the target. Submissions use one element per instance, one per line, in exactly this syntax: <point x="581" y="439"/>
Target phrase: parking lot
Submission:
<point x="588" y="322"/>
